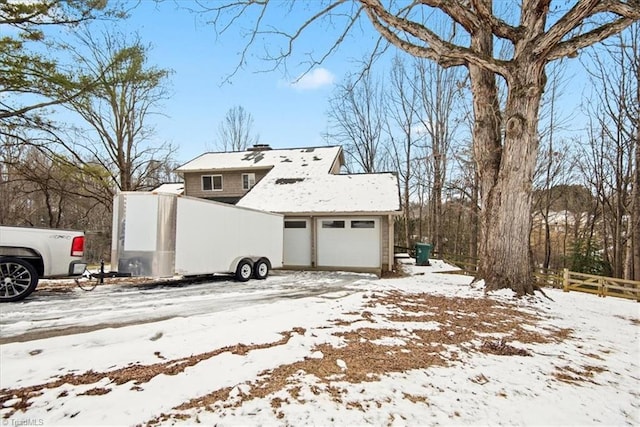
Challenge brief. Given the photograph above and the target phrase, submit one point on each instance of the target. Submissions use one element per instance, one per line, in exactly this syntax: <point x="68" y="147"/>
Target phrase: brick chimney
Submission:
<point x="259" y="147"/>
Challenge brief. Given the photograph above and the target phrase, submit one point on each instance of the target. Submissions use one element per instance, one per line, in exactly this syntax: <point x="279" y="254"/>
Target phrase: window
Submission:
<point x="363" y="224"/>
<point x="212" y="183"/>
<point x="332" y="224"/>
<point x="248" y="181"/>
<point x="295" y="224"/>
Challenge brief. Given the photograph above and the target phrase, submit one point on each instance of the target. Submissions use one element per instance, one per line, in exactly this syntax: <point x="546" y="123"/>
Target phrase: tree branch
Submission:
<point x="460" y="13"/>
<point x="576" y="16"/>
<point x="498" y="26"/>
<point x="444" y="53"/>
<point x="571" y="46"/>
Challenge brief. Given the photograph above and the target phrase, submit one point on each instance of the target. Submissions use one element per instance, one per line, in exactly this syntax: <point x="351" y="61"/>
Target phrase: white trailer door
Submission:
<point x="297" y="242"/>
<point x="141" y="224"/>
<point x="348" y="242"/>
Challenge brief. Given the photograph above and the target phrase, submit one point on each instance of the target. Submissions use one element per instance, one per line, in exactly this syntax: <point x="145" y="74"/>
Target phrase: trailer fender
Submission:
<point x="234" y="264"/>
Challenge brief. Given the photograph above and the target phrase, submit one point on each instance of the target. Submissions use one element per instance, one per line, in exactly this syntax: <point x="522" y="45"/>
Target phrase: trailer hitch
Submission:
<point x="99" y="276"/>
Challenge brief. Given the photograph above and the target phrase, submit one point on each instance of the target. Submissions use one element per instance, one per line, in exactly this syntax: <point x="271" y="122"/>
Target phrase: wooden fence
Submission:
<point x="548" y="277"/>
<point x="564" y="279"/>
<point x="600" y="285"/>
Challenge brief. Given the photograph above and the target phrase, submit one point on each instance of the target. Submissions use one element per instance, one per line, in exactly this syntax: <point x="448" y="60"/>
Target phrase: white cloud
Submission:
<point x="314" y="79"/>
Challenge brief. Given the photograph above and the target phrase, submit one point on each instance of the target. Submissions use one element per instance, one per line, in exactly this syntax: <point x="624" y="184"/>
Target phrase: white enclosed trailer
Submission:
<point x="163" y="235"/>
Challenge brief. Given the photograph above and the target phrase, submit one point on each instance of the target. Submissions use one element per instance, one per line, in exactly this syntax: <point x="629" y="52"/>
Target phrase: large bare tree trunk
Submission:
<point x="507" y="177"/>
<point x="635" y="192"/>
<point x="508" y="228"/>
<point x="635" y="208"/>
<point x="486" y="142"/>
<point x="475" y="214"/>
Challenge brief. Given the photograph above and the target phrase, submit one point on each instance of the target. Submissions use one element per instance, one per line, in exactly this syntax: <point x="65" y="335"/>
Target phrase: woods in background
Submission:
<point x="75" y="130"/>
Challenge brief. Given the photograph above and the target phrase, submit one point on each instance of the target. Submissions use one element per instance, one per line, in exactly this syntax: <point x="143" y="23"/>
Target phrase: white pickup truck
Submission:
<point x="27" y="254"/>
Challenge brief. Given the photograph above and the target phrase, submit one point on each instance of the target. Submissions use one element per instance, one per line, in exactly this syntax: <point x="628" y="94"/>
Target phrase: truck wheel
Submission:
<point x="261" y="269"/>
<point x="18" y="279"/>
<point x="244" y="270"/>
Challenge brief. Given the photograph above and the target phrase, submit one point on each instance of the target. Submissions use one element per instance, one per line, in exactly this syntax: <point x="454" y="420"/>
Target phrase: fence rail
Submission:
<point x="600" y="285"/>
<point x="564" y="279"/>
<point x="549" y="277"/>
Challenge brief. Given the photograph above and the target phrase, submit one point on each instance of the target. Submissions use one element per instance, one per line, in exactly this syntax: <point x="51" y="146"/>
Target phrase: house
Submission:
<point x="172" y="188"/>
<point x="332" y="220"/>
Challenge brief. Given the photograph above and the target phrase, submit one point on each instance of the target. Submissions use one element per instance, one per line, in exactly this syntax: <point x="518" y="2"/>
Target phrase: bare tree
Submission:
<point x="14" y="205"/>
<point x="464" y="182"/>
<point x="506" y="161"/>
<point x="403" y="132"/>
<point x="635" y="195"/>
<point x="553" y="174"/>
<point x="598" y="172"/>
<point x="616" y="121"/>
<point x="357" y="117"/>
<point x="39" y="188"/>
<point x="553" y="159"/>
<point x="235" y="130"/>
<point x="440" y="93"/>
<point x="118" y="138"/>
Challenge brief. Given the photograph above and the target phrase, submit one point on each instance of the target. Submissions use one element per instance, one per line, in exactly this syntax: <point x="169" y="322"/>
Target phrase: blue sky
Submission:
<point x="285" y="115"/>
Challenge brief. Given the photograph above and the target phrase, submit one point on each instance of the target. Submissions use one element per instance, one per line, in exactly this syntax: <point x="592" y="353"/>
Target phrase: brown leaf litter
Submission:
<point x="394" y="333"/>
<point x="460" y="320"/>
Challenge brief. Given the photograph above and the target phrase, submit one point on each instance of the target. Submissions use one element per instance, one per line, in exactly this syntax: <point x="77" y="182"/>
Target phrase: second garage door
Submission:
<point x="348" y="242"/>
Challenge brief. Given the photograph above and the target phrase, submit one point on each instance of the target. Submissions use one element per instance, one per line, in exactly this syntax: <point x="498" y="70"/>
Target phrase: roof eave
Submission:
<point x="246" y="168"/>
<point x="341" y="213"/>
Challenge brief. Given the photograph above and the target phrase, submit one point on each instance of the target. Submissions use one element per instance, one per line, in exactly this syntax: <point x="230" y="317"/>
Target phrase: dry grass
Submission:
<point x="633" y="321"/>
<point x="501" y="348"/>
<point x="577" y="375"/>
<point x="379" y="344"/>
<point x="460" y="322"/>
<point x="137" y="373"/>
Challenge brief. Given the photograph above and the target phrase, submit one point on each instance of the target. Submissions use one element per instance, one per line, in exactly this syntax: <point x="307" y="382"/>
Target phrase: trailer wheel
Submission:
<point x="244" y="270"/>
<point x="18" y="279"/>
<point x="261" y="269"/>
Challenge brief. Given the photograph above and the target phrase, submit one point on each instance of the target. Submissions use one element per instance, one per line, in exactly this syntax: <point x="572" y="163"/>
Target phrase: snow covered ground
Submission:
<point x="319" y="349"/>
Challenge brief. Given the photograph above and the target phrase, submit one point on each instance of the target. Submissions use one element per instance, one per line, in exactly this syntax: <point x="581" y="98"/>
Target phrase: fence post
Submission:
<point x="602" y="287"/>
<point x="565" y="280"/>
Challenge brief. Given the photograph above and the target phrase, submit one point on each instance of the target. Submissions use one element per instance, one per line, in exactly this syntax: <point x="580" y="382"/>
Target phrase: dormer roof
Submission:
<point x="300" y="161"/>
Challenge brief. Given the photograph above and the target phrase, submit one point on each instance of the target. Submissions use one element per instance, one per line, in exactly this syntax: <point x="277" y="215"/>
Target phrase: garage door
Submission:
<point x="297" y="242"/>
<point x="348" y="242"/>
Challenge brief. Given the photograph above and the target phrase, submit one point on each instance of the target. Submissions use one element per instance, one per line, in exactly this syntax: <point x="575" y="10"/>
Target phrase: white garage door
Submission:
<point x="297" y="242"/>
<point x="348" y="242"/>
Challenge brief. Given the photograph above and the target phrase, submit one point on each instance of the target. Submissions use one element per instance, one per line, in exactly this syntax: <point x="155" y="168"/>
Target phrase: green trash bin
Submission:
<point x="423" y="250"/>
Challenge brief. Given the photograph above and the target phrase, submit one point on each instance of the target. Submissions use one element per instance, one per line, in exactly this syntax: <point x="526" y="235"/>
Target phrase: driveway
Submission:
<point x="61" y="308"/>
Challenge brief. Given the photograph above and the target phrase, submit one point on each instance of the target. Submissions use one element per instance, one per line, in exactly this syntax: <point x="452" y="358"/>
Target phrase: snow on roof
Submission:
<point x="299" y="180"/>
<point x="305" y="161"/>
<point x="326" y="193"/>
<point x="174" y="188"/>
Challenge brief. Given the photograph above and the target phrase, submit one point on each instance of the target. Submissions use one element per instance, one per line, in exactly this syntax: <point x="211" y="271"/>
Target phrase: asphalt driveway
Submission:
<point x="61" y="308"/>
